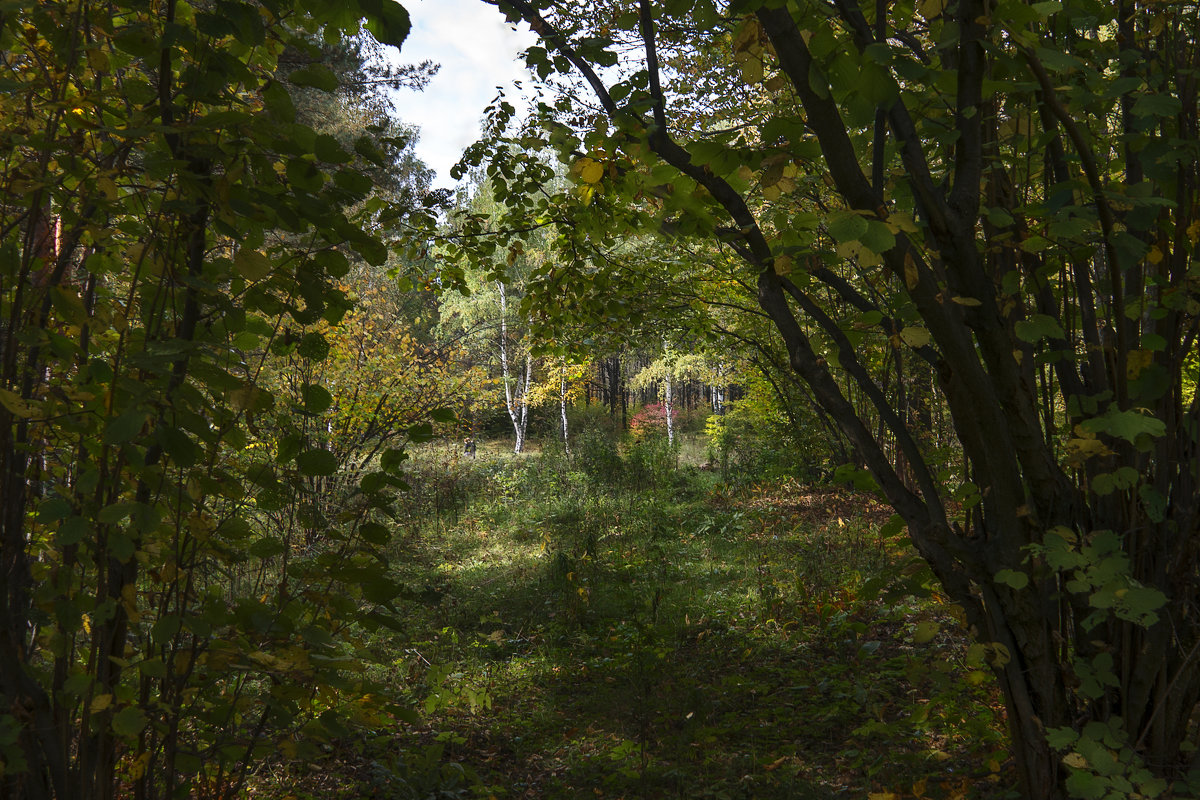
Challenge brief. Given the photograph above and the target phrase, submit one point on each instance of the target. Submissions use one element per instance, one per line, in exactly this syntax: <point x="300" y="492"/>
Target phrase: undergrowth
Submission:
<point x="578" y="627"/>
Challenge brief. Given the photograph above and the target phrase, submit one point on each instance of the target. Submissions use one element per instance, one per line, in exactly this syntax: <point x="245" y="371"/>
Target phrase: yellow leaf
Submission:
<point x="915" y="336"/>
<point x="97" y="59"/>
<point x="865" y="256"/>
<point x="1136" y="361"/>
<point x="967" y="301"/>
<point x="129" y="602"/>
<point x="1075" y="760"/>
<point x="101" y="702"/>
<point x="747" y="39"/>
<point x="911" y="277"/>
<point x="252" y="264"/>
<point x="930" y="9"/>
<point x="926" y="631"/>
<point x="783" y="265"/>
<point x="590" y="171"/>
<point x="138" y="768"/>
<point x="15" y="404"/>
<point x="1086" y="448"/>
<point x="107" y="187"/>
<point x="976" y="677"/>
<point x="900" y="221"/>
<point x="752" y="70"/>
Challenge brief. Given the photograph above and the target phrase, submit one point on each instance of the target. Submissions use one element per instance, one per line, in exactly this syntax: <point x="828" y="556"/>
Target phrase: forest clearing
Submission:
<point x="596" y="633"/>
<point x="787" y="398"/>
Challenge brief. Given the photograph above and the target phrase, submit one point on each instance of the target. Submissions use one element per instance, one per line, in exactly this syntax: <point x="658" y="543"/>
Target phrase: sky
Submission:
<point x="477" y="51"/>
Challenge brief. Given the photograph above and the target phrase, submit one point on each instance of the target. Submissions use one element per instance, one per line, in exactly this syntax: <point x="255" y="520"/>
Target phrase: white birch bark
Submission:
<point x="518" y="410"/>
<point x="523" y="426"/>
<point x="669" y="407"/>
<point x="562" y="406"/>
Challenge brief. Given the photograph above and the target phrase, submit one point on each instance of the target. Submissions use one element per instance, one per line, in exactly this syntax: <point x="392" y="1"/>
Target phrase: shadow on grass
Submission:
<point x="684" y="652"/>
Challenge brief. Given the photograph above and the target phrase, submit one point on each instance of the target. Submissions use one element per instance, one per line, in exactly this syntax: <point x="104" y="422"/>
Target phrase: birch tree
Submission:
<point x="516" y="387"/>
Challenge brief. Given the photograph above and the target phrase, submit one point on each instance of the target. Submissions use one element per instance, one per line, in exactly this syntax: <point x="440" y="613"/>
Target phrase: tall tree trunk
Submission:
<point x="669" y="408"/>
<point x="514" y="401"/>
<point x="562" y="407"/>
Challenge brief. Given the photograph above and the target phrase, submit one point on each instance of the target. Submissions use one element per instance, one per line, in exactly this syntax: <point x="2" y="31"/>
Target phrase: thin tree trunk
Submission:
<point x="562" y="407"/>
<point x="517" y="410"/>
<point x="669" y="408"/>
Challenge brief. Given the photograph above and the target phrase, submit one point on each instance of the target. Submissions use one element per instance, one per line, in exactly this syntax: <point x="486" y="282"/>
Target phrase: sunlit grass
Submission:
<point x="584" y="638"/>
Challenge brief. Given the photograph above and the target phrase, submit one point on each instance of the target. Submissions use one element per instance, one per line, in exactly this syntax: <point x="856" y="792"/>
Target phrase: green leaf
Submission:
<point x="316" y="398"/>
<point x="1140" y="602"/>
<point x="1061" y="738"/>
<point x="334" y="263"/>
<point x="1156" y="105"/>
<point x="420" y="433"/>
<point x="1128" y="425"/>
<point x="316" y="76"/>
<point x="252" y="264"/>
<point x="279" y="102"/>
<point x="847" y="226"/>
<point x="374" y="533"/>
<point x="329" y="150"/>
<point x="313" y="346"/>
<point x="121" y="547"/>
<point x="317" y="462"/>
<point x="387" y="20"/>
<point x="178" y="446"/>
<point x="1120" y="480"/>
<point x="1038" y="327"/>
<point x="1086" y="786"/>
<point x="72" y="531"/>
<point x="16" y="404"/>
<point x="878" y="237"/>
<point x="1012" y="578"/>
<point x="125" y="427"/>
<point x="1153" y="502"/>
<point x="443" y="415"/>
<point x="392" y="458"/>
<point x="129" y="721"/>
<point x="115" y="512"/>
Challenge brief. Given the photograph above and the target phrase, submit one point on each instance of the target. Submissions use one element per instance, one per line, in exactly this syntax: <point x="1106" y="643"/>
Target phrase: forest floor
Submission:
<point x="571" y="635"/>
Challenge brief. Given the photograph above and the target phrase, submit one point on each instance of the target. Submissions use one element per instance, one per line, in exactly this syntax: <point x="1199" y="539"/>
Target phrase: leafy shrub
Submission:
<point x="597" y="457"/>
<point x="651" y="462"/>
<point x="651" y="420"/>
<point x="756" y="440"/>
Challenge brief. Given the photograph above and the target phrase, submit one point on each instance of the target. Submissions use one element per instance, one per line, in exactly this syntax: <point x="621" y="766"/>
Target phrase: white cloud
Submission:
<point x="478" y="51"/>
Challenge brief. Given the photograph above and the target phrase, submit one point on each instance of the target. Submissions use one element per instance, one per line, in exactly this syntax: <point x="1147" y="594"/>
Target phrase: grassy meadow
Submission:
<point x="621" y="622"/>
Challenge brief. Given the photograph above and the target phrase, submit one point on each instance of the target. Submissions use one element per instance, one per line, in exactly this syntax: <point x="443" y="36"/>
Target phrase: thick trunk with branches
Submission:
<point x="1035" y="248"/>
